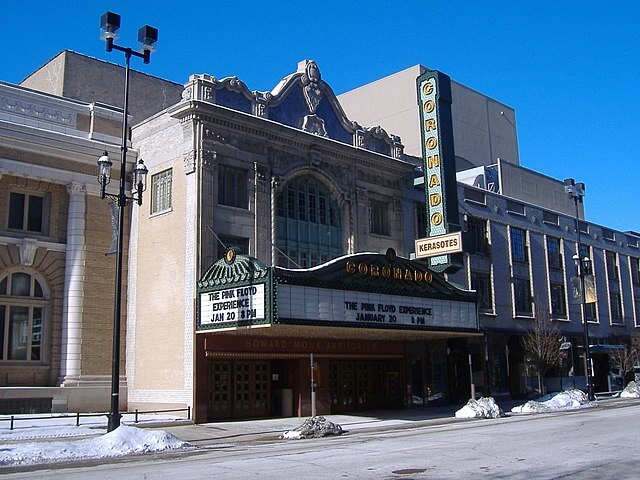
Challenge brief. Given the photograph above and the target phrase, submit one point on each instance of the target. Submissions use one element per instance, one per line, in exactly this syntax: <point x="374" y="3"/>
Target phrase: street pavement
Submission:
<point x="231" y="432"/>
<point x="591" y="443"/>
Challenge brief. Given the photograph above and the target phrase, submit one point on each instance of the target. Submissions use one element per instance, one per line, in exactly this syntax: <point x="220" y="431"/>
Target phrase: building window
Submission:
<point x="481" y="283"/>
<point x="161" y="191"/>
<point x="635" y="270"/>
<point x="239" y="244"/>
<point x="550" y="218"/>
<point x="558" y="301"/>
<point x="608" y="234"/>
<point x="26" y="212"/>
<point x="515" y="207"/>
<point x="476" y="196"/>
<point x="612" y="265"/>
<point x="553" y="253"/>
<point x="308" y="227"/>
<point x="583" y="226"/>
<point x="590" y="312"/>
<point x="637" y="305"/>
<point x="22" y="306"/>
<point x="616" y="307"/>
<point x="518" y="245"/>
<point x="378" y="218"/>
<point x="477" y="241"/>
<point x="232" y="187"/>
<point x="522" y="296"/>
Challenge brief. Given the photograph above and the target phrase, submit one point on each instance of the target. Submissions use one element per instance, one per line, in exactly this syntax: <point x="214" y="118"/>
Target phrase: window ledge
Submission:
<point x="231" y="207"/>
<point x="160" y="213"/>
<point x="475" y="202"/>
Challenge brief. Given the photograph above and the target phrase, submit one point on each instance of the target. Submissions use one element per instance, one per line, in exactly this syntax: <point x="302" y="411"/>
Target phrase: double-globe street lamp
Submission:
<point x="109" y="25"/>
<point x="583" y="268"/>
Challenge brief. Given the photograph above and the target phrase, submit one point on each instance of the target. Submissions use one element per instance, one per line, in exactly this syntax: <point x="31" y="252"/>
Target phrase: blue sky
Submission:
<point x="569" y="68"/>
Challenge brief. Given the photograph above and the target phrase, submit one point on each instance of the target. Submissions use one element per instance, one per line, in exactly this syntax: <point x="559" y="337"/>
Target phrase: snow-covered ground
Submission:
<point x="632" y="390"/>
<point x="88" y="441"/>
<point x="124" y="440"/>
<point x="567" y="400"/>
<point x="484" y="407"/>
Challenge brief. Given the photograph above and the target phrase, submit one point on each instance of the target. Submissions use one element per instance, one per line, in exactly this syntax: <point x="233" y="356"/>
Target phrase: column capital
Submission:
<point x="76" y="188"/>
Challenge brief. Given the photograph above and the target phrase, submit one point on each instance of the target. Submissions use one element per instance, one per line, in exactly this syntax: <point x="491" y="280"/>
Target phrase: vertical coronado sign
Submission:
<point x="441" y="196"/>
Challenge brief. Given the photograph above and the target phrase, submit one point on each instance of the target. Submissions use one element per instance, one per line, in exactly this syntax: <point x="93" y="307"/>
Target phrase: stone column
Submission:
<point x="73" y="286"/>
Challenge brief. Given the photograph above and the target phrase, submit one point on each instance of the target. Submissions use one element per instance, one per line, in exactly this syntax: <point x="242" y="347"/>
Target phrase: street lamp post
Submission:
<point x="109" y="24"/>
<point x="576" y="192"/>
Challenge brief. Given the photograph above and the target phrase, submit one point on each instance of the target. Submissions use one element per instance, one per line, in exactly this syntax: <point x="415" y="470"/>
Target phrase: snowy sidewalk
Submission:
<point x="58" y="439"/>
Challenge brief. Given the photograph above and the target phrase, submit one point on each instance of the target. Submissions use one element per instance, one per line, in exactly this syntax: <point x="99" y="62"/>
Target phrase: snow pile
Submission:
<point x="567" y="400"/>
<point x="484" y="407"/>
<point x="632" y="390"/>
<point x="124" y="440"/>
<point x="62" y="425"/>
<point x="313" y="427"/>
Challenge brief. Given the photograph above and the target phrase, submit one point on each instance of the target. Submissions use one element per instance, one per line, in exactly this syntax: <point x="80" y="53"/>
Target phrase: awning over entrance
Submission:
<point x="368" y="294"/>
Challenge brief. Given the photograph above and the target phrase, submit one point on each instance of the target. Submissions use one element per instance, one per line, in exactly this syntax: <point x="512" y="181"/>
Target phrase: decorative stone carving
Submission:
<point x="28" y="248"/>
<point x="76" y="188"/>
<point x="315" y="158"/>
<point x="311" y="91"/>
<point x="200" y="87"/>
<point x="215" y="136"/>
<point x="313" y="96"/>
<point x="209" y="158"/>
<point x="37" y="111"/>
<point x="189" y="161"/>
<point x="362" y="196"/>
<point x="261" y="109"/>
<point x="315" y="125"/>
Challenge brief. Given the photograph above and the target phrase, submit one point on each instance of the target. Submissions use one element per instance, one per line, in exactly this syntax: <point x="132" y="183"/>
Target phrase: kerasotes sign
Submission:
<point x="442" y="244"/>
<point x="434" y="99"/>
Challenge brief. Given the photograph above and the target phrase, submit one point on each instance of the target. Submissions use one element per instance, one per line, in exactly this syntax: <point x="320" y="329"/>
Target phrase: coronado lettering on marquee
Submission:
<point x="386" y="271"/>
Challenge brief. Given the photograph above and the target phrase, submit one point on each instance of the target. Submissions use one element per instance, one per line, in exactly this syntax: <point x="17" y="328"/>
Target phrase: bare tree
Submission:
<point x="541" y="344"/>
<point x="625" y="359"/>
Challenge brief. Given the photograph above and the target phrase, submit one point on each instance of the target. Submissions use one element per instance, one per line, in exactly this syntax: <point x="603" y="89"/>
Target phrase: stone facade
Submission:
<point x="48" y="151"/>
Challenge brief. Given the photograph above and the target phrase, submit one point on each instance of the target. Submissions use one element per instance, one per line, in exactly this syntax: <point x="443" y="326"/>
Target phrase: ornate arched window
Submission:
<point x="22" y="312"/>
<point x="308" y="229"/>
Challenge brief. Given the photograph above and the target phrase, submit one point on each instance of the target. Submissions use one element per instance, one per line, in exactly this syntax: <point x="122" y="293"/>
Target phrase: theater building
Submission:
<point x="285" y="177"/>
<point x="369" y="327"/>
